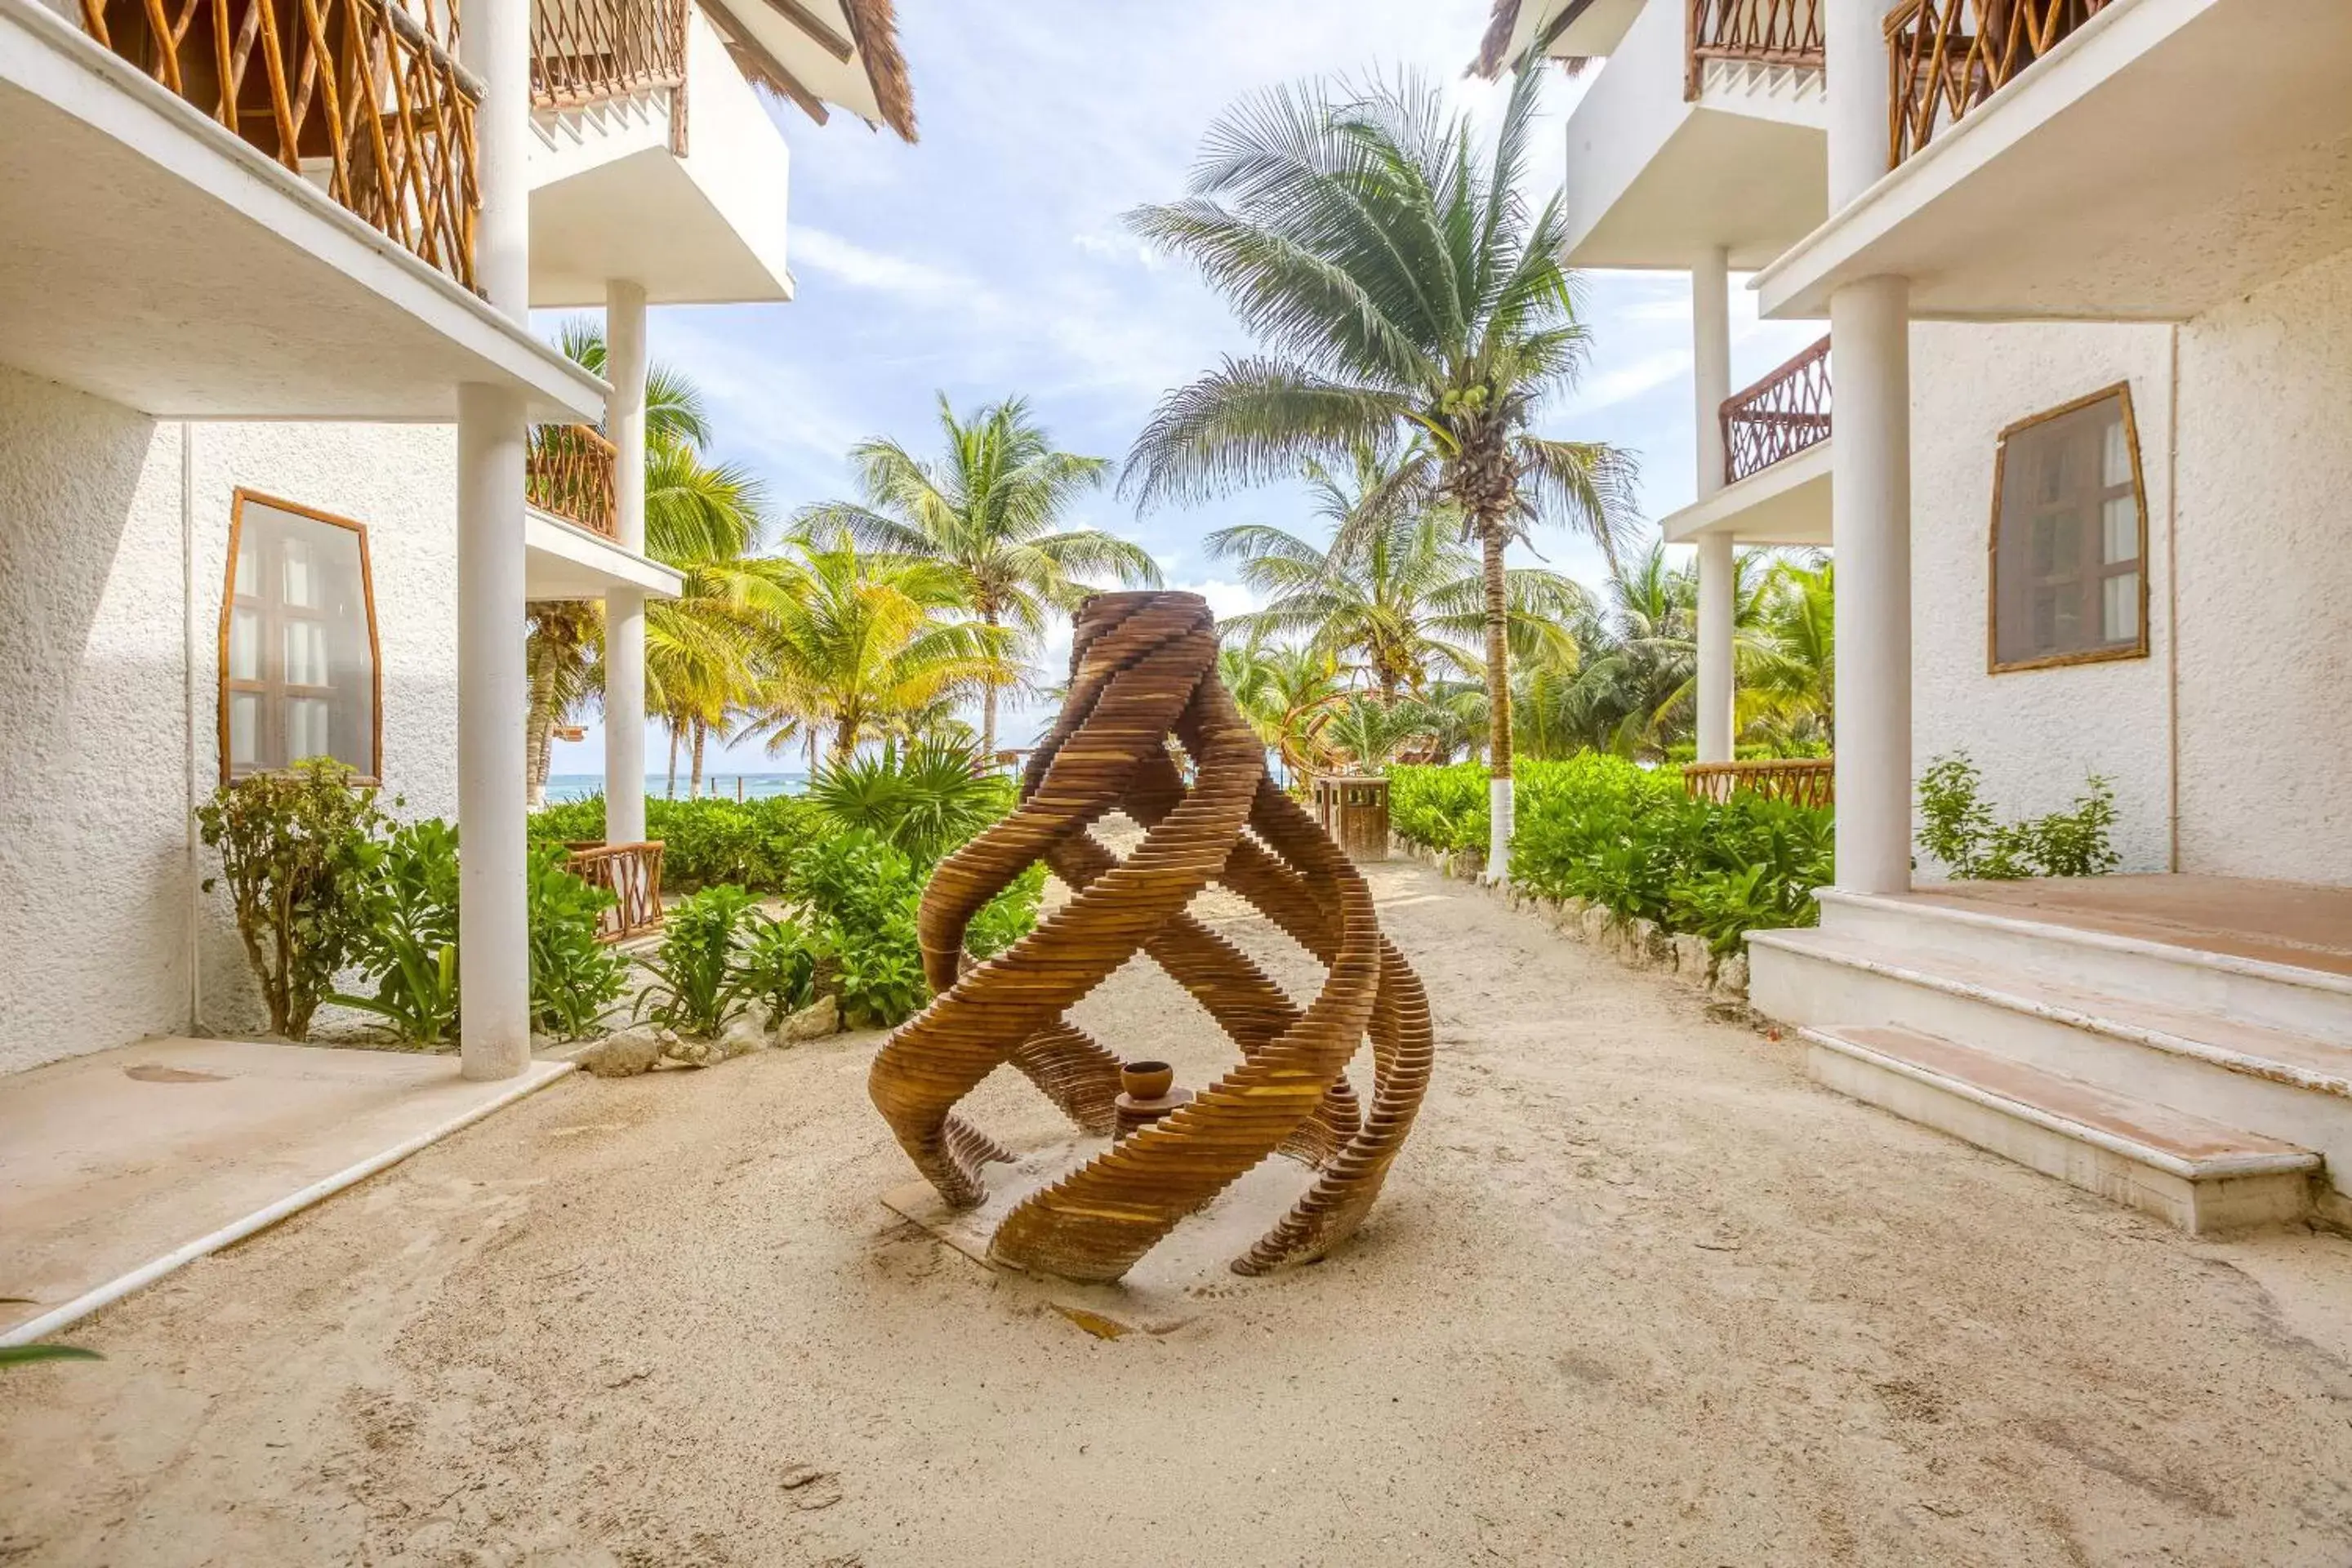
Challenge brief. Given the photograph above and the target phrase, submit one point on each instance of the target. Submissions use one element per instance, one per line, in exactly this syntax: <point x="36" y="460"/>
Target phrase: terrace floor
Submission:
<point x="2295" y="923"/>
<point x="1637" y="1293"/>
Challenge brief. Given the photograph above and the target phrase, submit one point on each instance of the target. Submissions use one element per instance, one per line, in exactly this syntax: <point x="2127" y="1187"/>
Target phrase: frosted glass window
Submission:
<point x="2069" y="534"/>
<point x="298" y="643"/>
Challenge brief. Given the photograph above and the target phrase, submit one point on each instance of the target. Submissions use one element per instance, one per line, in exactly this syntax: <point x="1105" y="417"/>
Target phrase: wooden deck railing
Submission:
<point x="1801" y="781"/>
<point x="632" y="873"/>
<point x="1779" y="417"/>
<point x="366" y="95"/>
<point x="585" y="51"/>
<point x="1946" y="56"/>
<point x="569" y="470"/>
<point x="1752" y="32"/>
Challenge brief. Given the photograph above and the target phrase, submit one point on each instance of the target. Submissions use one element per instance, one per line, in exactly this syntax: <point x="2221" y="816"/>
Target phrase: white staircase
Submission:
<point x="2027" y="1037"/>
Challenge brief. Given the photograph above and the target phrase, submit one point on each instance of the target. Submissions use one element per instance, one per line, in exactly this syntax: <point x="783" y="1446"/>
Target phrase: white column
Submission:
<point x="1711" y="365"/>
<point x="494" y="953"/>
<point x="1854" y="44"/>
<point x="625" y="608"/>
<point x="1870" y="529"/>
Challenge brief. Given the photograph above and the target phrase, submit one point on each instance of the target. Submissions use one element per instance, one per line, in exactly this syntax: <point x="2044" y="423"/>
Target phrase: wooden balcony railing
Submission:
<point x="585" y="51"/>
<point x="1800" y="781"/>
<point x="1946" y="56"/>
<point x="364" y="97"/>
<point x="1751" y="32"/>
<point x="632" y="874"/>
<point x="569" y="470"/>
<point x="1778" y="417"/>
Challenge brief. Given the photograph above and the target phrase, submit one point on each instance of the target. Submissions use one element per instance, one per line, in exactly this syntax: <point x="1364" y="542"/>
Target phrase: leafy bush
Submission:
<point x="289" y="844"/>
<point x="1008" y="917"/>
<point x="574" y="977"/>
<point x="407" y="943"/>
<point x="750" y="844"/>
<point x="698" y="985"/>
<point x="776" y="965"/>
<point x="862" y="895"/>
<point x="1957" y="827"/>
<point x="1600" y="829"/>
<point x="924" y="804"/>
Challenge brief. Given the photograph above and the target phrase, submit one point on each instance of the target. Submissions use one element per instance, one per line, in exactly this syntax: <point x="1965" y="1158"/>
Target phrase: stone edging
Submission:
<point x="1635" y="944"/>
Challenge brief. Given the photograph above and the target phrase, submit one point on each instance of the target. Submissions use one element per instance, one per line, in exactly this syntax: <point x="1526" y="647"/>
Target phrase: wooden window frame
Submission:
<point x="2121" y="392"/>
<point x="228" y="613"/>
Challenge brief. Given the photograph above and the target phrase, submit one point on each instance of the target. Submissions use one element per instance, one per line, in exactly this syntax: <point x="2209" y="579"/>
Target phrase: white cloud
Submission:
<point x="859" y="267"/>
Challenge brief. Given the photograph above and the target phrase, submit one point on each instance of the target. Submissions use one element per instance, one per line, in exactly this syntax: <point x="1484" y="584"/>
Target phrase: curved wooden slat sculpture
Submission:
<point x="1143" y="673"/>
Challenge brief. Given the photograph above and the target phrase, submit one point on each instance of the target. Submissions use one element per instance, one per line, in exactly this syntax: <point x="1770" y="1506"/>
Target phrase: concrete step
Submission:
<point x="2310" y="1003"/>
<point x="2195" y="1173"/>
<point x="2271" y="1082"/>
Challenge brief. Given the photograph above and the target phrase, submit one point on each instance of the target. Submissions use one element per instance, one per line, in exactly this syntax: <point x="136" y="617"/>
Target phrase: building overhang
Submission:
<point x="2168" y="156"/>
<point x="1787" y="503"/>
<point x="1655" y="177"/>
<point x="564" y="561"/>
<point x="151" y="257"/>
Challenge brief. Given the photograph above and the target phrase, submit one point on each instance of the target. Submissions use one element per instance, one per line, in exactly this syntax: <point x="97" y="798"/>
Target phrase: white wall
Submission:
<point x="109" y="602"/>
<point x="2265" y="564"/>
<point x="2036" y="734"/>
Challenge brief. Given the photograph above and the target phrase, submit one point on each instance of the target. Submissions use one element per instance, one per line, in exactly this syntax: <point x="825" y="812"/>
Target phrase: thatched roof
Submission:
<point x="875" y="24"/>
<point x="1494" y="49"/>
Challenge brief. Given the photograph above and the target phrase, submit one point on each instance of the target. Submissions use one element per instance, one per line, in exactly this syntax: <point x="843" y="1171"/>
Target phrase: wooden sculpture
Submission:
<point x="1143" y="672"/>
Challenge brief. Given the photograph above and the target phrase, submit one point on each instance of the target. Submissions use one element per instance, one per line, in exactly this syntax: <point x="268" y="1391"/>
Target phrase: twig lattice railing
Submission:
<point x="365" y="97"/>
<point x="569" y="471"/>
<point x="585" y="51"/>
<point x="632" y="874"/>
<point x="1800" y="781"/>
<point x="1751" y="32"/>
<point x="1946" y="56"/>
<point x="1779" y="417"/>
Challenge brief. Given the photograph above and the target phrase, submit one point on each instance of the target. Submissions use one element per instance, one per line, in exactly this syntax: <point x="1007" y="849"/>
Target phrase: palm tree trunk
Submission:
<point x="539" y="725"/>
<point x="844" y="741"/>
<point x="988" y="705"/>
<point x="693" y="788"/>
<point x="671" y="792"/>
<point x="1498" y="704"/>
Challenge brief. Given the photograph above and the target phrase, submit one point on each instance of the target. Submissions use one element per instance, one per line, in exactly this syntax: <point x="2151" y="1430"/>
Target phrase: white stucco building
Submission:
<point x="2086" y="271"/>
<point x="277" y="315"/>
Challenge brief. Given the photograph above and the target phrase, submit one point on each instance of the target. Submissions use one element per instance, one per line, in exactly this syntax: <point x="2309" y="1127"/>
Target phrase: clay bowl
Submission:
<point x="1147" y="1081"/>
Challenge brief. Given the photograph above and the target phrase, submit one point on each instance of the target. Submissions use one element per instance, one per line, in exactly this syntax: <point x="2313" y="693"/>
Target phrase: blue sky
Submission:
<point x="990" y="258"/>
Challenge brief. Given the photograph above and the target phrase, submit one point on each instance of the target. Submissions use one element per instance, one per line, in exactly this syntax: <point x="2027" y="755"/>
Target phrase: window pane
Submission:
<point x="302" y="636"/>
<point x="2062" y="525"/>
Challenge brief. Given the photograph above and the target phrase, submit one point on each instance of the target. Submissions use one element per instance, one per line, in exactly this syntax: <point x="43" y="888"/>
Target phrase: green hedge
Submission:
<point x="750" y="844"/>
<point x="1600" y="829"/>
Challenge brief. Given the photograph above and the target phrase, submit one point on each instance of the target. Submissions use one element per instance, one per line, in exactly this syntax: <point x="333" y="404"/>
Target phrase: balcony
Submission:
<point x="571" y="535"/>
<point x="1703" y="130"/>
<point x="1776" y="461"/>
<point x="251" y="210"/>
<point x="2095" y="160"/>
<point x="651" y="160"/>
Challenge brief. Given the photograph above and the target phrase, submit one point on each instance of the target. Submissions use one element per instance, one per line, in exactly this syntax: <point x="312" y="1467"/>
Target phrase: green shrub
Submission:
<point x="862" y="895"/>
<point x="1440" y="808"/>
<point x="698" y="986"/>
<point x="923" y="804"/>
<point x="289" y="845"/>
<point x="776" y="965"/>
<point x="574" y="977"/>
<point x="705" y="842"/>
<point x="1008" y="917"/>
<point x="1957" y="829"/>
<point x="406" y="946"/>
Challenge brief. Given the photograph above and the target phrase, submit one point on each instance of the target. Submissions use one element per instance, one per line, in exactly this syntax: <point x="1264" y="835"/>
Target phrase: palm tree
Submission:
<point x="864" y="646"/>
<point x="1400" y="284"/>
<point x="1396" y="592"/>
<point x="1791" y="683"/>
<point x="1365" y="733"/>
<point x="1287" y="693"/>
<point x="990" y="508"/>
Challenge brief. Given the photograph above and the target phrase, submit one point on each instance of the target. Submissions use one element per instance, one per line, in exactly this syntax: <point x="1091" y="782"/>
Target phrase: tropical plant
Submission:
<point x="776" y="965"/>
<point x="25" y="1355"/>
<point x="697" y="986"/>
<point x="1287" y="693"/>
<point x="1401" y="286"/>
<point x="1364" y="735"/>
<point x="990" y="508"/>
<point x="406" y="945"/>
<point x="923" y="800"/>
<point x="574" y="978"/>
<point x="1957" y="827"/>
<point x="289" y="845"/>
<point x="862" y="895"/>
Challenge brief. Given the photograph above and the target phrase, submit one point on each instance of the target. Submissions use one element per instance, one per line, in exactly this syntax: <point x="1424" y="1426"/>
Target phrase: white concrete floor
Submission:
<point x="117" y="1166"/>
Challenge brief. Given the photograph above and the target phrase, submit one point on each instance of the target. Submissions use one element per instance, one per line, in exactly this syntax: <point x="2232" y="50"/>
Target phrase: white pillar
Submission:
<point x="1870" y="529"/>
<point x="1854" y="44"/>
<point x="1711" y="378"/>
<point x="625" y="608"/>
<point x="494" y="953"/>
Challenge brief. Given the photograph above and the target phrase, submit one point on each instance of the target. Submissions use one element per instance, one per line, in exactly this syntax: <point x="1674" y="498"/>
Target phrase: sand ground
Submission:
<point x="1638" y="1293"/>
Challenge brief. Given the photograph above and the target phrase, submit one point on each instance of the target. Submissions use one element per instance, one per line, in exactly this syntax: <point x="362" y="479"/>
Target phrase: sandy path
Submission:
<point x="1638" y="1294"/>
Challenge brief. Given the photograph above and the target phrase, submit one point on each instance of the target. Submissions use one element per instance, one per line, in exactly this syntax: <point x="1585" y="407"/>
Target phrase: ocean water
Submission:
<point x="725" y="786"/>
